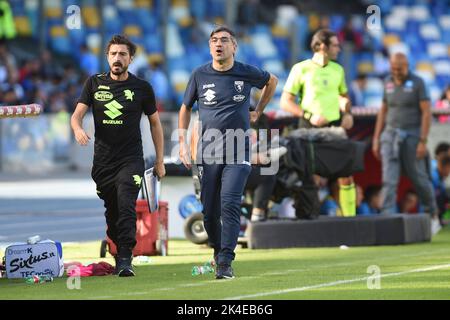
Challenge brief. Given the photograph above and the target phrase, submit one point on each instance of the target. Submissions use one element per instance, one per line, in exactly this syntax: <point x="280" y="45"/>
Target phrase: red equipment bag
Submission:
<point x="151" y="231"/>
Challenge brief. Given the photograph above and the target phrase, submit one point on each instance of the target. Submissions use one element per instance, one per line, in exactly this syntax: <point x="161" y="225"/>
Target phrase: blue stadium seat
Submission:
<point x="153" y="43"/>
<point x="61" y="45"/>
<point x="337" y="22"/>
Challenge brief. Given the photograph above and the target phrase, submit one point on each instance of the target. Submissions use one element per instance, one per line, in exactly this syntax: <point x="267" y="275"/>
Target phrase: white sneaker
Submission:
<point x="435" y="226"/>
<point x="257" y="217"/>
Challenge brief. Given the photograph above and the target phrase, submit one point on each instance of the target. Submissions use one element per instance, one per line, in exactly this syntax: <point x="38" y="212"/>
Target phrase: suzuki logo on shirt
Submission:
<point x="209" y="96"/>
<point x="113" y="112"/>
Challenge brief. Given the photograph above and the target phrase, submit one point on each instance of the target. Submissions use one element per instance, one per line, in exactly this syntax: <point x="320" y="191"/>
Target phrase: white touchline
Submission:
<point x="335" y="283"/>
<point x="215" y="282"/>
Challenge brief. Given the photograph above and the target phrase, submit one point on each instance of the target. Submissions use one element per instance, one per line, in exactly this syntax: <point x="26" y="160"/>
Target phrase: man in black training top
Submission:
<point x="118" y="99"/>
<point x="222" y="91"/>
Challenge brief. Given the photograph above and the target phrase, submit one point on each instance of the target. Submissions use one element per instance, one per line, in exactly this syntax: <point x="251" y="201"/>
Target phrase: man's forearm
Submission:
<point x="381" y="117"/>
<point x="183" y="123"/>
<point x="425" y="125"/>
<point x="287" y="104"/>
<point x="76" y="122"/>
<point x="267" y="94"/>
<point x="158" y="141"/>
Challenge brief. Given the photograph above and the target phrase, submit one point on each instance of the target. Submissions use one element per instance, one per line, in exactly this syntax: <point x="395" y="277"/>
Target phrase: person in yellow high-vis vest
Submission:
<point x="7" y="26"/>
<point x="320" y="84"/>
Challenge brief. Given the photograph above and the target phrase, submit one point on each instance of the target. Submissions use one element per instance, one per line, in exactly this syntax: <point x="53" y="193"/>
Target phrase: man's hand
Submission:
<point x="421" y="150"/>
<point x="376" y="148"/>
<point x="254" y="116"/>
<point x="184" y="155"/>
<point x="160" y="169"/>
<point x="318" y="121"/>
<point x="82" y="137"/>
<point x="347" y="121"/>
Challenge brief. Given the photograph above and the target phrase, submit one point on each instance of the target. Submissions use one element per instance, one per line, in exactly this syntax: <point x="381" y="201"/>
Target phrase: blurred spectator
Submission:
<point x="17" y="88"/>
<point x="48" y="68"/>
<point x="8" y="65"/>
<point x="441" y="150"/>
<point x="359" y="196"/>
<point x="381" y="63"/>
<point x="347" y="35"/>
<point x="88" y="61"/>
<point x="409" y="203"/>
<point x="72" y="93"/>
<point x="444" y="103"/>
<point x="70" y="76"/>
<point x="139" y="61"/>
<point x="357" y="89"/>
<point x="158" y="79"/>
<point x="247" y="15"/>
<point x="372" y="201"/>
<point x="438" y="176"/>
<point x="7" y="26"/>
<point x="10" y="97"/>
<point x="57" y="103"/>
<point x="330" y="206"/>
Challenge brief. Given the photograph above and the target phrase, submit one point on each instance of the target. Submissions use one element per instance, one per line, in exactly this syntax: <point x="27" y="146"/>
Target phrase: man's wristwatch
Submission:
<point x="423" y="140"/>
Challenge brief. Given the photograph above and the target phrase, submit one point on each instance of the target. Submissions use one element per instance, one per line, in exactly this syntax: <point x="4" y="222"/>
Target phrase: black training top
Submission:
<point x="117" y="107"/>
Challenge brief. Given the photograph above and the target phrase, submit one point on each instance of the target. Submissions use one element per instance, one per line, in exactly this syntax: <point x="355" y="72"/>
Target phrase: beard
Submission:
<point x="121" y="70"/>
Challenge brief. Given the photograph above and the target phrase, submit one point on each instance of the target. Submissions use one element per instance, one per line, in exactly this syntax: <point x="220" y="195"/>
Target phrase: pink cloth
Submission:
<point x="94" y="269"/>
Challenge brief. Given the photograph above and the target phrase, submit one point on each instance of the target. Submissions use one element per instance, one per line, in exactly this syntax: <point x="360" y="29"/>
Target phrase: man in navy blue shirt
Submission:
<point x="222" y="91"/>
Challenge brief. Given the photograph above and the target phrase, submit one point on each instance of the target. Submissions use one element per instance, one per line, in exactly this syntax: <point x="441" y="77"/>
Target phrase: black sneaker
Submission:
<point x="124" y="267"/>
<point x="224" y="271"/>
<point x="116" y="268"/>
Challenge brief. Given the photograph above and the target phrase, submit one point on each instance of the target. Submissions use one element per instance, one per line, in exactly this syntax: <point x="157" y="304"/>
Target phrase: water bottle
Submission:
<point x="34" y="239"/>
<point x="38" y="279"/>
<point x="210" y="264"/>
<point x="197" y="270"/>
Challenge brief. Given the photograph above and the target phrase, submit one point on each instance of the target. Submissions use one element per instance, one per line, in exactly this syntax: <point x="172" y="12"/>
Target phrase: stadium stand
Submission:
<point x="420" y="28"/>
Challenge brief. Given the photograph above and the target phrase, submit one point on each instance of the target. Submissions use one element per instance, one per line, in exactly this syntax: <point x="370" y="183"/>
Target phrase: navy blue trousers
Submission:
<point x="221" y="195"/>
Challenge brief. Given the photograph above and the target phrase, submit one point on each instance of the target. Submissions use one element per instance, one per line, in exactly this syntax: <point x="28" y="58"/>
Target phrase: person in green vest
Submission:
<point x="7" y="26"/>
<point x="319" y="82"/>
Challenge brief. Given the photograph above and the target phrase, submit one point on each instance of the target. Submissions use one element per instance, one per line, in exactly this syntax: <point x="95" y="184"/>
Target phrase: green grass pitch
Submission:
<point x="417" y="271"/>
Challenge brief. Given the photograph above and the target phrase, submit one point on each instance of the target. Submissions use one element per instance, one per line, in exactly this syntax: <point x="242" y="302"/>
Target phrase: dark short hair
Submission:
<point x="120" y="39"/>
<point x="445" y="160"/>
<point x="218" y="29"/>
<point x="361" y="76"/>
<point x="321" y="36"/>
<point x="371" y="191"/>
<point x="442" y="147"/>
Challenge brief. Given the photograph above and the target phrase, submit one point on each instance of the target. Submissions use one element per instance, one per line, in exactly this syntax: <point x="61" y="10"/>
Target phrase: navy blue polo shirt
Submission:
<point x="223" y="99"/>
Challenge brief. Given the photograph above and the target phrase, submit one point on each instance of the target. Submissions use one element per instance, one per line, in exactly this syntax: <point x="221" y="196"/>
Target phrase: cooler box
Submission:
<point x="151" y="231"/>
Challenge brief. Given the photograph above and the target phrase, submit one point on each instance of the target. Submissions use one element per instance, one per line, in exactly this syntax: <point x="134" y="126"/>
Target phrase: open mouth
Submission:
<point x="219" y="51"/>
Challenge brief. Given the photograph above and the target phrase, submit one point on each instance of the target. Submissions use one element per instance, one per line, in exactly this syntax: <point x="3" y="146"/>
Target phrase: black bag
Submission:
<point x="306" y="202"/>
